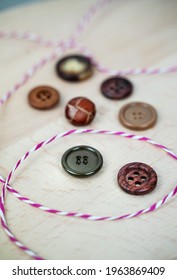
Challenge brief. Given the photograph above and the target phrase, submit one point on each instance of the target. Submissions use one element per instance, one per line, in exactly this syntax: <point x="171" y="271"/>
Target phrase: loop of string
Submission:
<point x="61" y="46"/>
<point x="37" y="147"/>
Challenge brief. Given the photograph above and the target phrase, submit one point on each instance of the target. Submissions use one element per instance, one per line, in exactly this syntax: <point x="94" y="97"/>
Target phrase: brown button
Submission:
<point x="43" y="97"/>
<point x="116" y="88"/>
<point x="74" y="68"/>
<point x="82" y="161"/>
<point x="137" y="178"/>
<point x="80" y="111"/>
<point x="138" y="116"/>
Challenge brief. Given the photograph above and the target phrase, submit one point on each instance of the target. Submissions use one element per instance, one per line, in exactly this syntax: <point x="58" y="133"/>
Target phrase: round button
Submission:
<point x="138" y="116"/>
<point x="80" y="111"/>
<point x="137" y="178"/>
<point x="116" y="88"/>
<point x="43" y="97"/>
<point x="74" y="68"/>
<point x="82" y="161"/>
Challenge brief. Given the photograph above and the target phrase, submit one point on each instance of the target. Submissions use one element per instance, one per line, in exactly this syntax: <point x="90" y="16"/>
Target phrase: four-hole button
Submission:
<point x="138" y="116"/>
<point x="116" y="88"/>
<point x="82" y="161"/>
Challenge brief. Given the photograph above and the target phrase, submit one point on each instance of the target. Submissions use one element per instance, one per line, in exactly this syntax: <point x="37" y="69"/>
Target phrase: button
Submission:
<point x="116" y="88"/>
<point x="80" y="111"/>
<point x="138" y="116"/>
<point x="82" y="161"/>
<point x="43" y="97"/>
<point x="137" y="178"/>
<point x="74" y="68"/>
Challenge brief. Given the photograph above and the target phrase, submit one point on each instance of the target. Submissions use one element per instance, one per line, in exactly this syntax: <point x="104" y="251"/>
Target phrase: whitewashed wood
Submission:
<point x="128" y="33"/>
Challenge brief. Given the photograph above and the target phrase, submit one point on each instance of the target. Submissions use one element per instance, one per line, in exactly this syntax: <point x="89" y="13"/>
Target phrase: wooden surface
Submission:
<point x="136" y="33"/>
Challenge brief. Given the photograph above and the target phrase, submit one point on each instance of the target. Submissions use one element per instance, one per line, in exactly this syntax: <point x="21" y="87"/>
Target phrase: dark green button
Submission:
<point x="82" y="161"/>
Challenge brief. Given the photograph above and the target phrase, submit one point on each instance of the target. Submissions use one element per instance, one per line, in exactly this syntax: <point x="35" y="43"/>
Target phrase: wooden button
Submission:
<point x="138" y="116"/>
<point x="80" y="111"/>
<point x="137" y="178"/>
<point x="43" y="97"/>
<point x="74" y="68"/>
<point x="116" y="88"/>
<point x="82" y="161"/>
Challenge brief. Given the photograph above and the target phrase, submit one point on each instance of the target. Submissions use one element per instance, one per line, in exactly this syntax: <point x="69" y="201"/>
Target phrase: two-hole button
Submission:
<point x="137" y="116"/>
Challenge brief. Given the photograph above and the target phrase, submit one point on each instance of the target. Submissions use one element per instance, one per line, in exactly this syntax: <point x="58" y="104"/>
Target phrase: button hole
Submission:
<point x="119" y="87"/>
<point x="143" y="178"/>
<point x="130" y="179"/>
<point x="137" y="184"/>
<point x="136" y="173"/>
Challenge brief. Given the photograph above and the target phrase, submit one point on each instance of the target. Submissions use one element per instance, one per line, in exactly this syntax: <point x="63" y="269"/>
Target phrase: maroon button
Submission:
<point x="116" y="88"/>
<point x="74" y="68"/>
<point x="137" y="178"/>
<point x="80" y="111"/>
<point x="43" y="97"/>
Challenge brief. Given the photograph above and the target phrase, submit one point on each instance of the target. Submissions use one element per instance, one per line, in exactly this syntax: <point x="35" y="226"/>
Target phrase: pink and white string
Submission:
<point x="37" y="147"/>
<point x="60" y="48"/>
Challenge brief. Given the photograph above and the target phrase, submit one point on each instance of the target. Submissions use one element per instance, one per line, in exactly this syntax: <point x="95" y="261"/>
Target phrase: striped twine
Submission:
<point x="39" y="146"/>
<point x="28" y="36"/>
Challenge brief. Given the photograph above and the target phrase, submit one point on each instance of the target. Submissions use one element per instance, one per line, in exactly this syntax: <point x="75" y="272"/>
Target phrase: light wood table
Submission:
<point x="136" y="33"/>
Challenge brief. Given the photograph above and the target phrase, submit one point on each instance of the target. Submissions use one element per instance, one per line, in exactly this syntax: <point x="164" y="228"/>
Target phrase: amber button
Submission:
<point x="82" y="161"/>
<point x="80" y="111"/>
<point x="43" y="97"/>
<point x="116" y="88"/>
<point x="74" y="68"/>
<point x="137" y="178"/>
<point x="138" y="116"/>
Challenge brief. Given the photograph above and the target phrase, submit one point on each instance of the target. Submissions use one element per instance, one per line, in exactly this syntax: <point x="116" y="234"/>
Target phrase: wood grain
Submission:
<point x="126" y="34"/>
